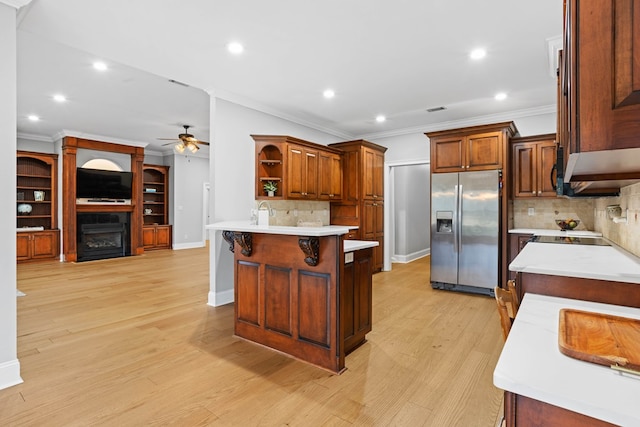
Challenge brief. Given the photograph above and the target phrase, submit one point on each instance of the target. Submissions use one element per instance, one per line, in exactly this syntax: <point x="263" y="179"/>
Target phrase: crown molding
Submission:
<point x="471" y="121"/>
<point x="34" y="137"/>
<point x="65" y="132"/>
<point x="16" y="3"/>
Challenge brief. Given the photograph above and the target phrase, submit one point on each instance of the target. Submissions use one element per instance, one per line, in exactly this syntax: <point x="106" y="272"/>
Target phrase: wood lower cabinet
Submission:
<point x="37" y="245"/>
<point x="357" y="300"/>
<point x="156" y="237"/>
<point x="534" y="160"/>
<point x="516" y="243"/>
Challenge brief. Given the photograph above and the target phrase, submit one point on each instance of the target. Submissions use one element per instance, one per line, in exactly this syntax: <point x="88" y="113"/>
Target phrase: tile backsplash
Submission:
<point x="546" y="211"/>
<point x="592" y="214"/>
<point x="291" y="212"/>
<point x="624" y="235"/>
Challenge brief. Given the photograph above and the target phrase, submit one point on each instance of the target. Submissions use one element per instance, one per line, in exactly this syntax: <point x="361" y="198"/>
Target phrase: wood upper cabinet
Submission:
<point x="301" y="169"/>
<point x="302" y="176"/>
<point x="534" y="160"/>
<point x="373" y="174"/>
<point x="329" y="176"/>
<point x="599" y="77"/>
<point x="470" y="149"/>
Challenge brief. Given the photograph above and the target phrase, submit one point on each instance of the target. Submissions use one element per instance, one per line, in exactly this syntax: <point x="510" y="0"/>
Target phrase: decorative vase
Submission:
<point x="24" y="209"/>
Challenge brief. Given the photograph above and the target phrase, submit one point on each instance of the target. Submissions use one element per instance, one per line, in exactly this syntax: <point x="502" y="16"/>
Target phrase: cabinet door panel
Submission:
<point x="524" y="170"/>
<point x="448" y="155"/>
<point x="148" y="236"/>
<point x="368" y="220"/>
<point x="546" y="157"/>
<point x="163" y="236"/>
<point x="45" y="245"/>
<point x="484" y="151"/>
<point x="23" y="246"/>
<point x="336" y="177"/>
<point x="310" y="186"/>
<point x="295" y="173"/>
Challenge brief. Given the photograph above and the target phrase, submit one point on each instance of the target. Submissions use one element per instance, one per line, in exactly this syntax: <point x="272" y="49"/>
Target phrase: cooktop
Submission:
<point x="571" y="240"/>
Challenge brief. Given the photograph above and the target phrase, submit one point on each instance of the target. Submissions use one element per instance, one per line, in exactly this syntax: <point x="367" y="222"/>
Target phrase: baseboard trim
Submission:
<point x="10" y="374"/>
<point x="217" y="299"/>
<point x="191" y="245"/>
<point x="403" y="259"/>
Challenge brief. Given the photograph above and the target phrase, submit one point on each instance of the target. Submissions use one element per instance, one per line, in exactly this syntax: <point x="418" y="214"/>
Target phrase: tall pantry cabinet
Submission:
<point x="362" y="202"/>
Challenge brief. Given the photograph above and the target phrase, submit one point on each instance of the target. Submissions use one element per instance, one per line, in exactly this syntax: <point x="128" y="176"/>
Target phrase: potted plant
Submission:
<point x="270" y="188"/>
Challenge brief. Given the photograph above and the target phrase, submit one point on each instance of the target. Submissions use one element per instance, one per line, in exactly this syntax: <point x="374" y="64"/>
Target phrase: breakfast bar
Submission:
<point x="297" y="293"/>
<point x="545" y="387"/>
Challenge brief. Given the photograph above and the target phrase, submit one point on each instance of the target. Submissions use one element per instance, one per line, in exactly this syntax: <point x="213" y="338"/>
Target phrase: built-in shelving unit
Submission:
<point x="38" y="236"/>
<point x="156" y="231"/>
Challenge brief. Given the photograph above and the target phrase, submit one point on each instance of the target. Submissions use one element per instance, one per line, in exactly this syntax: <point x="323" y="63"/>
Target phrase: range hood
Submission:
<point x="597" y="173"/>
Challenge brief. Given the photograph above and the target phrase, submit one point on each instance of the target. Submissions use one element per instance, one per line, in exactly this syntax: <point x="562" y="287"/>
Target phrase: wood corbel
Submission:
<point x="310" y="247"/>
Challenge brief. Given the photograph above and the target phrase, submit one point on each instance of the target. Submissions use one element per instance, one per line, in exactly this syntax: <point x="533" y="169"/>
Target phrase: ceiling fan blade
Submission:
<point x="202" y="142"/>
<point x="170" y="143"/>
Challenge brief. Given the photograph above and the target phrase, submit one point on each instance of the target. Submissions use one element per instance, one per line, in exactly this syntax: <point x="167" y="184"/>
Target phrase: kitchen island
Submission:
<point x="295" y="292"/>
<point x="544" y="387"/>
<point x="596" y="273"/>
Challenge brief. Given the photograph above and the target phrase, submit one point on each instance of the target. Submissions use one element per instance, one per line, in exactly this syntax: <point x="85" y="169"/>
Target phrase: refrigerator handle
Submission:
<point x="458" y="235"/>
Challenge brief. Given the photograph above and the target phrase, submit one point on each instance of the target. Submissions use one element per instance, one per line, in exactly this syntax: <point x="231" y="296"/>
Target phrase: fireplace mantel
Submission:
<point x="70" y="146"/>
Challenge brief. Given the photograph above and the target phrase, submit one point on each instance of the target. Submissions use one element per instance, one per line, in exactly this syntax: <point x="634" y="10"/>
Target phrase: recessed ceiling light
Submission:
<point x="235" y="48"/>
<point x="33" y="118"/>
<point x="329" y="93"/>
<point x="59" y="98"/>
<point x="478" y="53"/>
<point x="380" y="118"/>
<point x="500" y="96"/>
<point x="100" y="66"/>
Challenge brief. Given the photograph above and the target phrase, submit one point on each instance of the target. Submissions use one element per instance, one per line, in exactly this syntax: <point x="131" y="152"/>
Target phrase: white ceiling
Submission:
<point x="381" y="57"/>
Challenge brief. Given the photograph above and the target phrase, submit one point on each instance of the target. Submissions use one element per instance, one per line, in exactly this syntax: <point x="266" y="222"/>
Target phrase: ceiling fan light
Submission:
<point x="179" y="148"/>
<point x="193" y="147"/>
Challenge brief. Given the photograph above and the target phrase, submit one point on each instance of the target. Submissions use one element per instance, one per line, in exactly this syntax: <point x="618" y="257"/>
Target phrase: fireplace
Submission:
<point x="103" y="235"/>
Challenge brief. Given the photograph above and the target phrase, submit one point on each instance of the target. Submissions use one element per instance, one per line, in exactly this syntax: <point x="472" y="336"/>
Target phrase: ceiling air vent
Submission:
<point x="434" y="109"/>
<point x="178" y="83"/>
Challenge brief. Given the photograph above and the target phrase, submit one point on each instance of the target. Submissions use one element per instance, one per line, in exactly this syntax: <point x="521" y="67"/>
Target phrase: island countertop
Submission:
<point x="531" y="364"/>
<point x="583" y="261"/>
<point x="246" y="226"/>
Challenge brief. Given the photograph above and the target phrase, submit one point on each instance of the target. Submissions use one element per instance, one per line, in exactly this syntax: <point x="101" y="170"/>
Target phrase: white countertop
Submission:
<point x="584" y="261"/>
<point x="556" y="232"/>
<point x="354" y="245"/>
<point x="246" y="226"/>
<point x="531" y="365"/>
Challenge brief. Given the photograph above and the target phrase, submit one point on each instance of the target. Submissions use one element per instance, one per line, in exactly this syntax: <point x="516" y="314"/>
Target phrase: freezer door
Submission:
<point x="479" y="225"/>
<point x="444" y="258"/>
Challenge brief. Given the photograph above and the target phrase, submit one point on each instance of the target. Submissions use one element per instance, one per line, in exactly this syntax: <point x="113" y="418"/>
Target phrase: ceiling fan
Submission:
<point x="185" y="141"/>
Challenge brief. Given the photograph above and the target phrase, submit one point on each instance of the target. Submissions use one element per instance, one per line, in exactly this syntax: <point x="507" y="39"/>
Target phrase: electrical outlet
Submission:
<point x="531" y="211"/>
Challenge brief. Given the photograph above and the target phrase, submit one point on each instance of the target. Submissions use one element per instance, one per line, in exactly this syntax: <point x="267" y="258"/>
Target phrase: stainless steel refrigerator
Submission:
<point x="465" y="220"/>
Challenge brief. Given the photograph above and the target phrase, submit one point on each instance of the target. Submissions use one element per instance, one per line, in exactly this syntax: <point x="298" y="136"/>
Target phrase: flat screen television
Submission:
<point x="103" y="184"/>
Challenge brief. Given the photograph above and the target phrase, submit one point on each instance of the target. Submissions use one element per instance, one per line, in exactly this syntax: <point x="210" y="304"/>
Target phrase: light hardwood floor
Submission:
<point x="131" y="342"/>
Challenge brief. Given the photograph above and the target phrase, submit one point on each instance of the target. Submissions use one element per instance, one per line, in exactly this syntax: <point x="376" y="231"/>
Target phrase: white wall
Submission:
<point x="9" y="364"/>
<point x="232" y="171"/>
<point x="411" y="212"/>
<point x="189" y="173"/>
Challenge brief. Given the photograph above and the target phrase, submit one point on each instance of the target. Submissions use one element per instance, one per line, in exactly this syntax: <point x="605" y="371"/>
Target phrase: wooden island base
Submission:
<point x="292" y="294"/>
